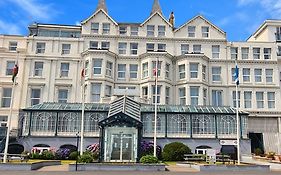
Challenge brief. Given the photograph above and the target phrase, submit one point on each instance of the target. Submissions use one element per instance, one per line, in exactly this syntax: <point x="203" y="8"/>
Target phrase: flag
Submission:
<point x="236" y="75"/>
<point x="15" y="72"/>
<point x="82" y="77"/>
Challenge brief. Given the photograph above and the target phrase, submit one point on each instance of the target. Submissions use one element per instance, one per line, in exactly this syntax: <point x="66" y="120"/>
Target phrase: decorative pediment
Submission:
<point x="200" y="19"/>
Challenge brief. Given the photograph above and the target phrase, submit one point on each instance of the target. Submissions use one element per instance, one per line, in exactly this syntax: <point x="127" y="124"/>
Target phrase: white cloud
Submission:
<point x="35" y="9"/>
<point x="271" y="7"/>
<point x="9" y="28"/>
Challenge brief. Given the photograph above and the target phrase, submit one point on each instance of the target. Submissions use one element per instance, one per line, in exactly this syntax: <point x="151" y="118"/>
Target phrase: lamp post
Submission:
<point x="77" y="145"/>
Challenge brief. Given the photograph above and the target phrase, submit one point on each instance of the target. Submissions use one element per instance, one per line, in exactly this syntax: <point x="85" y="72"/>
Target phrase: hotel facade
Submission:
<point x="195" y="92"/>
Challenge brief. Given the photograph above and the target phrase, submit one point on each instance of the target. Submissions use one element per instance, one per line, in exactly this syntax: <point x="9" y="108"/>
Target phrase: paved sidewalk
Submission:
<point x="273" y="166"/>
<point x="180" y="168"/>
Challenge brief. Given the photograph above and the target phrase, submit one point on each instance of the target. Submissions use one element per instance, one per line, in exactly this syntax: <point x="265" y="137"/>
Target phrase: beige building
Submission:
<point x="195" y="59"/>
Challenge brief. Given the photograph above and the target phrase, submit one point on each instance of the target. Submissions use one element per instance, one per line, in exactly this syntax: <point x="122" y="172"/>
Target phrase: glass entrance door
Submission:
<point x="121" y="146"/>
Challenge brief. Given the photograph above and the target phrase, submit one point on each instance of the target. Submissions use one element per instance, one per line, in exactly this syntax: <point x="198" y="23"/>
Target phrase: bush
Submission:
<point x="87" y="157"/>
<point x="62" y="154"/>
<point x="48" y="155"/>
<point x="258" y="152"/>
<point x="149" y="159"/>
<point x="175" y="151"/>
<point x="35" y="156"/>
<point x="147" y="148"/>
<point x="73" y="156"/>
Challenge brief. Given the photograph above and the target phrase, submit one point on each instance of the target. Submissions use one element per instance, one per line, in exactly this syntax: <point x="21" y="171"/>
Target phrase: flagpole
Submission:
<point x="10" y="118"/>
<point x="155" y="109"/>
<point x="237" y="115"/>
<point x="83" y="112"/>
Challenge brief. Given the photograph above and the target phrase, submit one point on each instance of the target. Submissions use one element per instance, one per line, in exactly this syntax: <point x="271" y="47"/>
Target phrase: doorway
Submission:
<point x="256" y="141"/>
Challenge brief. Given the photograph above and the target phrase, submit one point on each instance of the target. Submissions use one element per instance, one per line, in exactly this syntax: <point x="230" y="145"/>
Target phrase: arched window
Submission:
<point x="203" y="124"/>
<point x="178" y="125"/>
<point x="148" y="124"/>
<point x="226" y="125"/>
<point x="92" y="122"/>
<point x="43" y="123"/>
<point x="68" y="123"/>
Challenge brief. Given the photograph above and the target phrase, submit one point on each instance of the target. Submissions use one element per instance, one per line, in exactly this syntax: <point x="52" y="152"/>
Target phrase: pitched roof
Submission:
<point x="157" y="13"/>
<point x="98" y="11"/>
<point x="156" y="7"/>
<point x="207" y="21"/>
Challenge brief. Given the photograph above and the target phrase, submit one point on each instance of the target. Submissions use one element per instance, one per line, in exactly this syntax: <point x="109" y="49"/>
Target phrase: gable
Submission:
<point x="99" y="16"/>
<point x="199" y="21"/>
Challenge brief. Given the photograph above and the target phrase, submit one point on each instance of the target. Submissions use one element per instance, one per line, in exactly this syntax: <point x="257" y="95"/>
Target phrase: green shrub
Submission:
<point x="175" y="151"/>
<point x="258" y="151"/>
<point x="149" y="159"/>
<point x="86" y="158"/>
<point x="35" y="156"/>
<point x="95" y="155"/>
<point x="73" y="155"/>
<point x="48" y="155"/>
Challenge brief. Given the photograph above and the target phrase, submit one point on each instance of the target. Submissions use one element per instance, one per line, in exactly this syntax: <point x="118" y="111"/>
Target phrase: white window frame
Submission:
<point x="94" y="45"/>
<point x="145" y="70"/>
<point x="134" y="71"/>
<point x="197" y="48"/>
<point x="191" y="31"/>
<point x="145" y="92"/>
<point x="267" y="53"/>
<point x="65" y="49"/>
<point x="194" y="72"/>
<point x="35" y="98"/>
<point x="95" y="28"/>
<point x="184" y="49"/>
<point x="96" y="67"/>
<point x="105" y="28"/>
<point x="122" y="48"/>
<point x="260" y="101"/>
<point x="134" y="30"/>
<point x="182" y="97"/>
<point x="194" y="97"/>
<point x="64" y="72"/>
<point x="269" y="75"/>
<point x="167" y="93"/>
<point x="60" y="99"/>
<point x="121" y="71"/>
<point x="150" y="30"/>
<point x="134" y="48"/>
<point x="159" y="87"/>
<point x="95" y="92"/>
<point x="108" y="91"/>
<point x="38" y="70"/>
<point x="234" y="53"/>
<point x="6" y="98"/>
<point x="245" y="53"/>
<point x="161" y="47"/>
<point x="13" y="45"/>
<point x="248" y="101"/>
<point x="109" y="66"/>
<point x="271" y="101"/>
<point x="215" y="51"/>
<point x="205" y="96"/>
<point x="148" y="48"/>
<point x="205" y="31"/>
<point x="40" y="47"/>
<point x="167" y="70"/>
<point x="105" y="45"/>
<point x="256" y="53"/>
<point x="161" y="31"/>
<point x="258" y="77"/>
<point x="216" y="77"/>
<point x="181" y="71"/>
<point x="246" y="77"/>
<point x="234" y="99"/>
<point x="123" y="30"/>
<point x="9" y="67"/>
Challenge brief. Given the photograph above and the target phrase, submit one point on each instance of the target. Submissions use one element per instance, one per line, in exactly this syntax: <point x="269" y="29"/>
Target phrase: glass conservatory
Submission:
<point x="120" y="126"/>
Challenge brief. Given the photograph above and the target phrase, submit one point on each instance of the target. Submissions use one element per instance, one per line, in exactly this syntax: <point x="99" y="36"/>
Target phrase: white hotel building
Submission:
<point x="196" y="69"/>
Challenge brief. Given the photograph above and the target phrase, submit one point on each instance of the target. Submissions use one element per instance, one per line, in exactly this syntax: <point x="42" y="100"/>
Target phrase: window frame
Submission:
<point x="150" y="30"/>
<point x="205" y="34"/>
<point x="38" y="71"/>
<point x="65" y="51"/>
<point x="105" y="28"/>
<point x="182" y="71"/>
<point x="64" y="72"/>
<point x="191" y="31"/>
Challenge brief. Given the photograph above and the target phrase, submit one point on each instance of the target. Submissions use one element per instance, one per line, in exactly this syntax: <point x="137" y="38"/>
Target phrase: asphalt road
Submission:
<point x="132" y="173"/>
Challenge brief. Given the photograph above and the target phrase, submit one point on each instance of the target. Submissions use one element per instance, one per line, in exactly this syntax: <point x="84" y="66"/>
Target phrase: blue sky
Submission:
<point x="239" y="18"/>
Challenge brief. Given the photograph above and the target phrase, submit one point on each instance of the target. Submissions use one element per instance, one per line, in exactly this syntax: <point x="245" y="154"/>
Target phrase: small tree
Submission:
<point x="175" y="151"/>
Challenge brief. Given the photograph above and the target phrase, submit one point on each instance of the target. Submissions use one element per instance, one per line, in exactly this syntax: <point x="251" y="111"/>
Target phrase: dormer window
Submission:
<point x="95" y="28"/>
<point x="150" y="30"/>
<point x="123" y="30"/>
<point x="205" y="32"/>
<point x="105" y="28"/>
<point x="13" y="46"/>
<point x="134" y="31"/>
<point x="161" y="31"/>
<point x="191" y="31"/>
